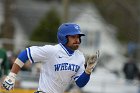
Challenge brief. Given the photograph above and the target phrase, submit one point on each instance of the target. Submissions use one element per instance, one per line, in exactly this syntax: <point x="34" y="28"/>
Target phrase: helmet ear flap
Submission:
<point x="67" y="40"/>
<point x="61" y="39"/>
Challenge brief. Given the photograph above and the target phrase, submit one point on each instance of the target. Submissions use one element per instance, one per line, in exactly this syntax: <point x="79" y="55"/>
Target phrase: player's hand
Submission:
<point x="91" y="62"/>
<point x="9" y="81"/>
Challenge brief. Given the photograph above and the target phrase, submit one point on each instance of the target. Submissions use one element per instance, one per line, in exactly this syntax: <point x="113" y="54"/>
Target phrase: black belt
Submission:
<point x="39" y="92"/>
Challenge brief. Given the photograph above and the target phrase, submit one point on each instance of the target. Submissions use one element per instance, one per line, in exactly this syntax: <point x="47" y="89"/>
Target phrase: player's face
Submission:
<point x="73" y="42"/>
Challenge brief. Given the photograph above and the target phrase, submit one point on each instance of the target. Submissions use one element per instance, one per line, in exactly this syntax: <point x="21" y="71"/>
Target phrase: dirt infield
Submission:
<point x="18" y="91"/>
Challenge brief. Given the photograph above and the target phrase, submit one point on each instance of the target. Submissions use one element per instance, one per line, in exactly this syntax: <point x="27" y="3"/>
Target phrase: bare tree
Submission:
<point x="7" y="26"/>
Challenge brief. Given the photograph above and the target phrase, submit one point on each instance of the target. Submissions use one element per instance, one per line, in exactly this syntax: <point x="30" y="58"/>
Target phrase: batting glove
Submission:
<point x="9" y="81"/>
<point x="91" y="63"/>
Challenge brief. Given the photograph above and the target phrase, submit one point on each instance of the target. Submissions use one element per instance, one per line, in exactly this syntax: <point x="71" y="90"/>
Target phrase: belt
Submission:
<point x="39" y="92"/>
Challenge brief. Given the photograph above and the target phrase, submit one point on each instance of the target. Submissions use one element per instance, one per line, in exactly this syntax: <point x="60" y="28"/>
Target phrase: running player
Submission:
<point x="63" y="63"/>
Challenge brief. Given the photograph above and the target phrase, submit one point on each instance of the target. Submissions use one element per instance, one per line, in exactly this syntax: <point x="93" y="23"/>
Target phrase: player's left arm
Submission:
<point x="85" y="76"/>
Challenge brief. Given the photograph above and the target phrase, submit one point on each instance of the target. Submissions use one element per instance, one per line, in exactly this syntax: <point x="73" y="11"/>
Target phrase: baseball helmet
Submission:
<point x="68" y="29"/>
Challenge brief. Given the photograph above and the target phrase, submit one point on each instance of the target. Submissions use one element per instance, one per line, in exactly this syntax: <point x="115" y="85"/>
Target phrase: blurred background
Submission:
<point x="111" y="26"/>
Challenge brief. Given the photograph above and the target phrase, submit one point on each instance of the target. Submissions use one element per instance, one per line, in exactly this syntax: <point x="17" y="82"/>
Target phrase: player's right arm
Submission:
<point x="33" y="54"/>
<point x="9" y="81"/>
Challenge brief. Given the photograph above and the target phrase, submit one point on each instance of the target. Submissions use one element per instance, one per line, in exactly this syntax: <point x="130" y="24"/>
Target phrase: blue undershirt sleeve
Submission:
<point x="23" y="56"/>
<point x="83" y="80"/>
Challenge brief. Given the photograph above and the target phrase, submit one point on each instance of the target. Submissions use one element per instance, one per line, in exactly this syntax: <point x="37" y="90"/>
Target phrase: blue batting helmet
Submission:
<point x="68" y="29"/>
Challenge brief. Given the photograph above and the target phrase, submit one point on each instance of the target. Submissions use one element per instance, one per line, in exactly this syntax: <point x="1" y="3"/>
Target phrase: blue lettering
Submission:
<point x="66" y="66"/>
<point x="57" y="67"/>
<point x="73" y="65"/>
<point x="69" y="67"/>
<point x="62" y="66"/>
<point x="77" y="68"/>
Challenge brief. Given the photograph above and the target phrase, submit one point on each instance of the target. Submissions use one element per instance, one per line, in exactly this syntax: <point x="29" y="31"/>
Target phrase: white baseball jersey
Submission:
<point x="59" y="67"/>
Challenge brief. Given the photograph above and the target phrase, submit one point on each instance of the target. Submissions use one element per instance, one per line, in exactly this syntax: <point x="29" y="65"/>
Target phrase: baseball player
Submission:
<point x="63" y="63"/>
